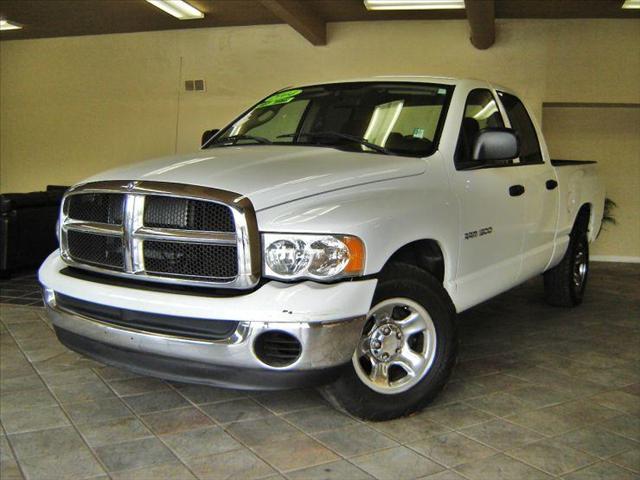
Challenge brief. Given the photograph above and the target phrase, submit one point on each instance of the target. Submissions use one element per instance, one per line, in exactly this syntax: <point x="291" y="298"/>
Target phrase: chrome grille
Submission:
<point x="162" y="232"/>
<point x="190" y="259"/>
<point x="97" y="250"/>
<point x="97" y="207"/>
<point x="167" y="212"/>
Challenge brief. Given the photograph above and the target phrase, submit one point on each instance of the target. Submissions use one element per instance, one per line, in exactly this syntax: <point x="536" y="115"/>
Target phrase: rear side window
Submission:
<point x="522" y="124"/>
<point x="480" y="112"/>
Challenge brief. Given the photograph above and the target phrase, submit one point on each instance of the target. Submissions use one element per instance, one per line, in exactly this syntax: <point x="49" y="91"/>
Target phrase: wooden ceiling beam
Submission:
<point x="481" y="15"/>
<point x="298" y="16"/>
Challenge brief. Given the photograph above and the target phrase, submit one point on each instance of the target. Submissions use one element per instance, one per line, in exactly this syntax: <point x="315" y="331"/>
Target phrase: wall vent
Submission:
<point x="194" y="85"/>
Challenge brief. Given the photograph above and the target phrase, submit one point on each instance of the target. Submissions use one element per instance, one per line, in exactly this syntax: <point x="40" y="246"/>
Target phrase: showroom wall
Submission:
<point x="611" y="136"/>
<point x="70" y="107"/>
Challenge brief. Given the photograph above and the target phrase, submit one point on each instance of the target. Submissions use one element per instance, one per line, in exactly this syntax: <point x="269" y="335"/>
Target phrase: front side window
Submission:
<point x="522" y="124"/>
<point x="480" y="112"/>
<point x="393" y="118"/>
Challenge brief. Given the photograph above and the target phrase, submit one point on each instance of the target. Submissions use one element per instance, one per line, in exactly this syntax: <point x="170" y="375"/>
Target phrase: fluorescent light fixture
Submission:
<point x="413" y="4"/>
<point x="631" y="4"/>
<point x="7" y="25"/>
<point x="382" y="121"/>
<point x="178" y="8"/>
<point x="486" y="111"/>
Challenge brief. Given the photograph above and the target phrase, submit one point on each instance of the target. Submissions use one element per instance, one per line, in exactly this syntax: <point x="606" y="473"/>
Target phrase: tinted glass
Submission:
<point x="481" y="111"/>
<point x="402" y="118"/>
<point x="522" y="124"/>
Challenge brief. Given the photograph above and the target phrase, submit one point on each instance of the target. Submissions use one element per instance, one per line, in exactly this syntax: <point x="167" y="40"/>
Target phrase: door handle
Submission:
<point x="516" y="190"/>
<point x="551" y="184"/>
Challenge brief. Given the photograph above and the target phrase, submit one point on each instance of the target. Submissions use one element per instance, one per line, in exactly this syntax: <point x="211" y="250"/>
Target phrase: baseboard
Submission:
<point x="614" y="258"/>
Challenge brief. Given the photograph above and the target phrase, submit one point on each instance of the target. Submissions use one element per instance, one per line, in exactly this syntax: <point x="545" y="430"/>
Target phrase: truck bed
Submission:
<point x="578" y="186"/>
<point x="565" y="163"/>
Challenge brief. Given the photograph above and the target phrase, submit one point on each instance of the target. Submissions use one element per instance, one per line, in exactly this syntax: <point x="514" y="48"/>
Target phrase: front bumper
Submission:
<point x="188" y="371"/>
<point x="327" y="343"/>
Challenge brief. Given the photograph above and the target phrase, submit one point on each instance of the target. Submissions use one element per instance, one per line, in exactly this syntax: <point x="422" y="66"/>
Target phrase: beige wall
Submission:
<point x="611" y="136"/>
<point x="71" y="107"/>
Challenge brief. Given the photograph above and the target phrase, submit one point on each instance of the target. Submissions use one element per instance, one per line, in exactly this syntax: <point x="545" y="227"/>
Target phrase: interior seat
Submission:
<point x="470" y="128"/>
<point x="407" y="143"/>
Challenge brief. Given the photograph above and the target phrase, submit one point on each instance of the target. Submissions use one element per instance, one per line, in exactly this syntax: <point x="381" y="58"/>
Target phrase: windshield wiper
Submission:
<point x="233" y="140"/>
<point x="344" y="136"/>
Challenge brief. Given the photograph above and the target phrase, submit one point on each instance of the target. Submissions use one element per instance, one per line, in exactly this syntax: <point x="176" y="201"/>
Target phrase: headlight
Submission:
<point x="316" y="257"/>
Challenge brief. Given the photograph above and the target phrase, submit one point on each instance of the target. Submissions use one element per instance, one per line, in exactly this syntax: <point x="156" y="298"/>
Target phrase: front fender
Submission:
<point x="385" y="215"/>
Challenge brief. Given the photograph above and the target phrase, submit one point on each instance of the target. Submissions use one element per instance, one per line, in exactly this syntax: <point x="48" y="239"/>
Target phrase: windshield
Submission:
<point x="389" y="118"/>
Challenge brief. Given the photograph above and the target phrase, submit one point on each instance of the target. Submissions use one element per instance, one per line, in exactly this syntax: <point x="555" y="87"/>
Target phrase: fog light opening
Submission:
<point x="277" y="349"/>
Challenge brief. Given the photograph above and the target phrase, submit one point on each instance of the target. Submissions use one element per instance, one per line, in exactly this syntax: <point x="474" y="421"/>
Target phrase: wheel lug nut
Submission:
<point x="398" y="350"/>
<point x="385" y="355"/>
<point x="386" y="330"/>
<point x="398" y="335"/>
<point x="376" y="344"/>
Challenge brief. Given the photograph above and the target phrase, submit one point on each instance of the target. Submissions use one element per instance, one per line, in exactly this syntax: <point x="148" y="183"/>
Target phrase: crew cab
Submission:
<point x="327" y="236"/>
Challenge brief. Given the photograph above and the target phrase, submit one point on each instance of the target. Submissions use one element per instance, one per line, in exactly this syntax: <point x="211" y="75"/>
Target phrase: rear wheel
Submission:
<point x="564" y="285"/>
<point x="406" y="351"/>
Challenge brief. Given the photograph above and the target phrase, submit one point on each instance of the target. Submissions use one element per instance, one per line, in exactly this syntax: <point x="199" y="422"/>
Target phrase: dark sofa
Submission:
<point x="27" y="228"/>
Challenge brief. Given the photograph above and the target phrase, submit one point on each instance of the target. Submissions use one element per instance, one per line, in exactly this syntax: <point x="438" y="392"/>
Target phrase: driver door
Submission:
<point x="491" y="210"/>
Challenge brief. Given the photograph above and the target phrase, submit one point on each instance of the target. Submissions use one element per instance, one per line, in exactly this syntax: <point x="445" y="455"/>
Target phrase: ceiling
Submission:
<point x="55" y="18"/>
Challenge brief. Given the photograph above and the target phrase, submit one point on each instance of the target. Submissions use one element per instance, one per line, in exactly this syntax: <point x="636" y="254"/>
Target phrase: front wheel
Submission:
<point x="406" y="351"/>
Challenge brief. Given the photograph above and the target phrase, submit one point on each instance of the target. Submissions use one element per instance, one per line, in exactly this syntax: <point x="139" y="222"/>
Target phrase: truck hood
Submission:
<point x="271" y="174"/>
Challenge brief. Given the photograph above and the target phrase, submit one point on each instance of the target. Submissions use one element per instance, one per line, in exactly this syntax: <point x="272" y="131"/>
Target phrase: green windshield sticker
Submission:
<point x="441" y="91"/>
<point x="418" y="133"/>
<point x="280" y="98"/>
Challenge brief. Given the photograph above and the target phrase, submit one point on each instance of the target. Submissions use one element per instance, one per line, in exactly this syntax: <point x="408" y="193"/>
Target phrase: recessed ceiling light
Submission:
<point x="178" y="8"/>
<point x="413" y="4"/>
<point x="7" y="25"/>
<point x="631" y="4"/>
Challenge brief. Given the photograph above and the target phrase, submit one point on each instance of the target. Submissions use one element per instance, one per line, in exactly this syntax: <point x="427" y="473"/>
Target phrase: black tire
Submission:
<point x="561" y="287"/>
<point x="350" y="394"/>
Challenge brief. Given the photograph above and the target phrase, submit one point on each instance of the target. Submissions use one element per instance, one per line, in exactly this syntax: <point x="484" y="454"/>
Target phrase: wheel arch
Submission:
<point x="426" y="254"/>
<point x="584" y="216"/>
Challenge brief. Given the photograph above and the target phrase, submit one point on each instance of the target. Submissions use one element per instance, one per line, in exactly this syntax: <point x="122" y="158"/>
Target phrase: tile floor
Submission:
<point x="539" y="393"/>
<point x="21" y="289"/>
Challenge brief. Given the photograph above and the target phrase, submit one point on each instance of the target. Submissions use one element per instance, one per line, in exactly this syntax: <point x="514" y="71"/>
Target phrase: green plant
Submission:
<point x="607" y="214"/>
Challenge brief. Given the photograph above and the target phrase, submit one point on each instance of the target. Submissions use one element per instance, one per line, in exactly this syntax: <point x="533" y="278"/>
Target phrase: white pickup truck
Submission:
<point x="326" y="237"/>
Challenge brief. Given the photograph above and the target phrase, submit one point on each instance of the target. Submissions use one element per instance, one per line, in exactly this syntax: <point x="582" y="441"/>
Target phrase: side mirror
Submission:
<point x="208" y="135"/>
<point x="495" y="144"/>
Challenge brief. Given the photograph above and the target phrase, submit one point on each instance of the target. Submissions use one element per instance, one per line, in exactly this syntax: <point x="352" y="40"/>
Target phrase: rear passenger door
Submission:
<point x="541" y="189"/>
<point x="491" y="218"/>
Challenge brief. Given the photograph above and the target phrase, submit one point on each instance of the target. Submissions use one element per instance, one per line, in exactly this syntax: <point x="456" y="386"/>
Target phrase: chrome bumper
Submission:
<point x="324" y="344"/>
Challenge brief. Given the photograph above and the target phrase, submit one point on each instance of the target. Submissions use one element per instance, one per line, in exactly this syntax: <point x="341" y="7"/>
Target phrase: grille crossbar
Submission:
<point x="169" y="233"/>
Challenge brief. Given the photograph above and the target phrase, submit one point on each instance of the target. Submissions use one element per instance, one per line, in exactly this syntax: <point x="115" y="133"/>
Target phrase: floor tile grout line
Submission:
<point x="64" y="411"/>
<point x="192" y="404"/>
<point x="224" y="426"/>
<point x="141" y="420"/>
<point x="277" y="415"/>
<point x="598" y="425"/>
<point x="506" y="452"/>
<point x="447" y="467"/>
<point x="13" y="452"/>
<point x="597" y="460"/>
<point x="624" y="467"/>
<point x="30" y="293"/>
<point x="545" y="439"/>
<point x="349" y="459"/>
